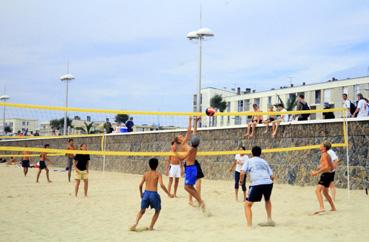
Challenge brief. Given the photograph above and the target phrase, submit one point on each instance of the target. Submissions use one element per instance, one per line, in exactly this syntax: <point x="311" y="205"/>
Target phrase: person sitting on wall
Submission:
<point x="279" y="119"/>
<point x="130" y="124"/>
<point x="328" y="115"/>
<point x="302" y="105"/>
<point x="256" y="119"/>
<point x="270" y="119"/>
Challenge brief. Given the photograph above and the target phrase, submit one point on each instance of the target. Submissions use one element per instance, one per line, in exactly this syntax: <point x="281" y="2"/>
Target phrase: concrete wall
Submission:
<point x="289" y="167"/>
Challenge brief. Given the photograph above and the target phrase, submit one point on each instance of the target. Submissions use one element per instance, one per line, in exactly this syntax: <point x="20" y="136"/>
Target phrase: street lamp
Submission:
<point x="200" y="35"/>
<point x="4" y="98"/>
<point x="66" y="78"/>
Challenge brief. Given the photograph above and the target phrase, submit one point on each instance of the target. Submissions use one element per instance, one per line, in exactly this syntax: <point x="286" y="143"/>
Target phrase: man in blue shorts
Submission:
<point x="261" y="176"/>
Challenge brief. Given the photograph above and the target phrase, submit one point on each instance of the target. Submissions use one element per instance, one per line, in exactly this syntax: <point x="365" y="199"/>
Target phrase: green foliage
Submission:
<point x="7" y="129"/>
<point x="218" y="103"/>
<point x="121" y="118"/>
<point x="291" y="103"/>
<point x="87" y="129"/>
<point x="58" y="124"/>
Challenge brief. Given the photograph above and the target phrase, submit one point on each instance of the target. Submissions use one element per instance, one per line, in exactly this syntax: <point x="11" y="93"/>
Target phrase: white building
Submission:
<point x="20" y="124"/>
<point x="315" y="95"/>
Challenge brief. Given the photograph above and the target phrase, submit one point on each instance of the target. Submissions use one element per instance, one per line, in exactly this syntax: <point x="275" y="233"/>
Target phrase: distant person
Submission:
<point x="349" y="105"/>
<point x="25" y="161"/>
<point x="151" y="197"/>
<point x="130" y="124"/>
<point x="325" y="169"/>
<point x="108" y="127"/>
<point x="37" y="133"/>
<point x="261" y="176"/>
<point x="256" y="119"/>
<point x="237" y="164"/>
<point x="302" y="105"/>
<point x="70" y="157"/>
<point x="328" y="115"/>
<point x="335" y="162"/>
<point x="12" y="161"/>
<point x="173" y="169"/>
<point x="43" y="164"/>
<point x="31" y="133"/>
<point x="362" y="107"/>
<point x="81" y="164"/>
<point x="280" y="118"/>
<point x="269" y="119"/>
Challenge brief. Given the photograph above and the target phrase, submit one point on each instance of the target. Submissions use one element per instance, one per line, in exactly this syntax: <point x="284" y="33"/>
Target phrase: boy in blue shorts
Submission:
<point x="261" y="185"/>
<point x="151" y="196"/>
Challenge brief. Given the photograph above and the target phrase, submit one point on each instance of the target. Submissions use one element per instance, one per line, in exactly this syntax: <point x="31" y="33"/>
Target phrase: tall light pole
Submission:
<point x="4" y="98"/>
<point x="199" y="35"/>
<point x="66" y="78"/>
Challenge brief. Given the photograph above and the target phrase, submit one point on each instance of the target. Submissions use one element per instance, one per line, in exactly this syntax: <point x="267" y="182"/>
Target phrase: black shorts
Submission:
<point x="25" y="163"/>
<point x="258" y="191"/>
<point x="42" y="165"/>
<point x="326" y="179"/>
<point x="200" y="174"/>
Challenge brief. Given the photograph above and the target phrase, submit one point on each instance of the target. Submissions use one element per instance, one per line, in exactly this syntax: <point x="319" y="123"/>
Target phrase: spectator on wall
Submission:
<point x="349" y="105"/>
<point x="108" y="127"/>
<point x="302" y="105"/>
<point x="130" y="124"/>
<point x="362" y="107"/>
<point x="328" y="115"/>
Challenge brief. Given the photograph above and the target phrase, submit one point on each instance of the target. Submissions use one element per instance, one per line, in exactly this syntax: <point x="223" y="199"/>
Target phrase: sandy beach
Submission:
<point x="50" y="212"/>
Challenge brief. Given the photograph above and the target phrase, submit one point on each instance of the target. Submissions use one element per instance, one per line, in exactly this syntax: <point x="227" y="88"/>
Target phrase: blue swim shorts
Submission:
<point x="190" y="175"/>
<point x="152" y="199"/>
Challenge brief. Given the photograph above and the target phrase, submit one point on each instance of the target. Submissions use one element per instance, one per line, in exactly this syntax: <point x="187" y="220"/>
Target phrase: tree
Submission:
<point x="121" y="118"/>
<point x="87" y="129"/>
<point x="218" y="103"/>
<point x="7" y="129"/>
<point x="291" y="103"/>
<point x="58" y="124"/>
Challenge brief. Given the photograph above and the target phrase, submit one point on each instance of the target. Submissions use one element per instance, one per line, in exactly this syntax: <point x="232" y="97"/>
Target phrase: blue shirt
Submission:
<point x="259" y="171"/>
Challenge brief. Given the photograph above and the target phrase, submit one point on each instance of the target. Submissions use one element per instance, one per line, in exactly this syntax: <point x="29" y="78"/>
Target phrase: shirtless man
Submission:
<point x="25" y="161"/>
<point x="256" y="119"/>
<point x="191" y="170"/>
<point x="173" y="169"/>
<point x="43" y="159"/>
<point x="325" y="169"/>
<point x="70" y="157"/>
<point x="151" y="196"/>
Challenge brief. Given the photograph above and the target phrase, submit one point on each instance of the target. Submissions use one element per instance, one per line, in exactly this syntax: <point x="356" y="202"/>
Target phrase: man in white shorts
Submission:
<point x="335" y="161"/>
<point x="173" y="169"/>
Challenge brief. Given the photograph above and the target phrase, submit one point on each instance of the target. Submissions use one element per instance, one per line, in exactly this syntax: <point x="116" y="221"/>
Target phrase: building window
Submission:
<point x="237" y="120"/>
<point x="228" y="107"/>
<point x="195" y="100"/>
<point x="270" y="101"/>
<point x="23" y="123"/>
<point x="246" y="105"/>
<point x="318" y="96"/>
<point x="240" y="106"/>
<point x="257" y="101"/>
<point x="292" y="96"/>
<point x="327" y="95"/>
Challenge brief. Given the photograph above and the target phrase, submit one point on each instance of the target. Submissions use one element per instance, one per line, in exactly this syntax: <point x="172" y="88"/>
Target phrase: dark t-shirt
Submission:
<point x="129" y="125"/>
<point x="81" y="161"/>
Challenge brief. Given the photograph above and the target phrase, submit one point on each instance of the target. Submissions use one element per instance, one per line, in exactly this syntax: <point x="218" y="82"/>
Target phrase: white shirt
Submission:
<point x="259" y="171"/>
<point x="362" y="105"/>
<point x="333" y="156"/>
<point x="240" y="161"/>
<point x="284" y="117"/>
<point x="347" y="104"/>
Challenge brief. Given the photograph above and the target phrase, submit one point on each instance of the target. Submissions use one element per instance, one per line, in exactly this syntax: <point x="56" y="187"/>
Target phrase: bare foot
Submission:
<point x="269" y="223"/>
<point x="192" y="204"/>
<point x="319" y="212"/>
<point x="133" y="227"/>
<point x="202" y="206"/>
<point x="333" y="210"/>
<point x="49" y="181"/>
<point x="246" y="136"/>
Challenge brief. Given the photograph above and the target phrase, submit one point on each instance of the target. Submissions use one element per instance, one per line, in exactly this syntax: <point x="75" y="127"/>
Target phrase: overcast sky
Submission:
<point x="134" y="54"/>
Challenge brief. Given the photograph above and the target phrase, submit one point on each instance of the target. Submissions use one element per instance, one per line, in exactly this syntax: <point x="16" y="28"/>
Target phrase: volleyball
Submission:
<point x="210" y="111"/>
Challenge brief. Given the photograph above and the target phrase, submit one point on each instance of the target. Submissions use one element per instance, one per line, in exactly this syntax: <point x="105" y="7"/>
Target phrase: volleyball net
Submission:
<point x="28" y="122"/>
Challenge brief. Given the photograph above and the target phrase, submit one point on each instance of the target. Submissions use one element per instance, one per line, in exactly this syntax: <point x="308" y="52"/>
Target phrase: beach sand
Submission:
<point x="50" y="212"/>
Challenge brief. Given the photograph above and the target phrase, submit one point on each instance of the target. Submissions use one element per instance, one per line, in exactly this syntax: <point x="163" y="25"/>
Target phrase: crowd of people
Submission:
<point x="359" y="108"/>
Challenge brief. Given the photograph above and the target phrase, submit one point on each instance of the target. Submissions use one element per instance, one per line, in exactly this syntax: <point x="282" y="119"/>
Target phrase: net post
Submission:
<point x="346" y="141"/>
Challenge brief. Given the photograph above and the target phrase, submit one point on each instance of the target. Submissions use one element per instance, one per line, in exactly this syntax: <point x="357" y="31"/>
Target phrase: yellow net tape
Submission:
<point x="129" y="153"/>
<point x="112" y="111"/>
